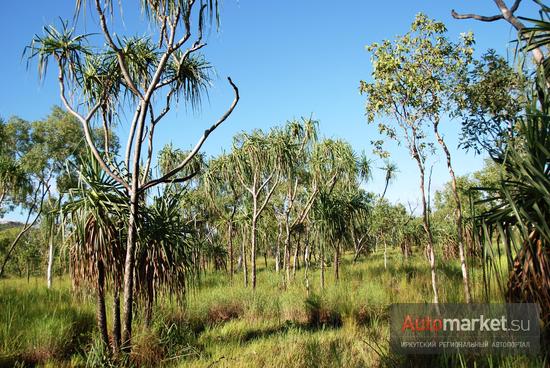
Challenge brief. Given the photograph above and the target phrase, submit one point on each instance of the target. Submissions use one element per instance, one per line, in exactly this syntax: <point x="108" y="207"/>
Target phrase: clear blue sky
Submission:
<point x="289" y="59"/>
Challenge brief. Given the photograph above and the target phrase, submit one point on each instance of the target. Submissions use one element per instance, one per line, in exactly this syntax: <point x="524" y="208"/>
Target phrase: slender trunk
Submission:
<point x="28" y="272"/>
<point x="116" y="318"/>
<point x="426" y="225"/>
<point x="230" y="233"/>
<point x="322" y="260"/>
<point x="253" y="249"/>
<point x="295" y="263"/>
<point x="265" y="259"/>
<point x="129" y="274"/>
<point x="336" y="263"/>
<point x="132" y="233"/>
<point x="50" y="262"/>
<point x="287" y="248"/>
<point x="243" y="259"/>
<point x="150" y="298"/>
<point x="101" y="314"/>
<point x="278" y="246"/>
<point x="459" y="222"/>
<point x="306" y="262"/>
<point x="385" y="255"/>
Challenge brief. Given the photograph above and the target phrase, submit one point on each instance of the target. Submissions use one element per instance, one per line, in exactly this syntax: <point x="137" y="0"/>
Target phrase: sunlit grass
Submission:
<point x="223" y="324"/>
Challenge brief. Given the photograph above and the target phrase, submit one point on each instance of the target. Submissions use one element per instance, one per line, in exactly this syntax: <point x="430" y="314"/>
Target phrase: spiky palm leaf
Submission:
<point x="96" y="212"/>
<point x="520" y="211"/>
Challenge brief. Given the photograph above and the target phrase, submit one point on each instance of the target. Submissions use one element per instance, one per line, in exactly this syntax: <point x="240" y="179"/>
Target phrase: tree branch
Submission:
<point x="117" y="50"/>
<point x="85" y="126"/>
<point x="199" y="144"/>
<point x="482" y="18"/>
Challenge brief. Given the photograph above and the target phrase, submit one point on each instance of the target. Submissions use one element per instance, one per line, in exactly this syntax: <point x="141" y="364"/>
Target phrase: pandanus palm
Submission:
<point x="164" y="252"/>
<point x="135" y="77"/>
<point x="95" y="212"/>
<point x="259" y="160"/>
<point x="224" y="196"/>
<point x="341" y="171"/>
<point x="520" y="211"/>
<point x="300" y="183"/>
<point x="333" y="215"/>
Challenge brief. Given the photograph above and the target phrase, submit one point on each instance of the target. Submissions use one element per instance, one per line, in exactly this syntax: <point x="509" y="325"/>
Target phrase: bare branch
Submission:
<point x="508" y="15"/>
<point x="482" y="18"/>
<point x="515" y="6"/>
<point x="131" y="137"/>
<point x="265" y="182"/>
<point x="85" y="126"/>
<point x="120" y="56"/>
<point x="199" y="144"/>
<point x="268" y="196"/>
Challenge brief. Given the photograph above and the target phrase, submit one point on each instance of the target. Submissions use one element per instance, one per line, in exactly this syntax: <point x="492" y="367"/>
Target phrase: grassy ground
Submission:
<point x="222" y="324"/>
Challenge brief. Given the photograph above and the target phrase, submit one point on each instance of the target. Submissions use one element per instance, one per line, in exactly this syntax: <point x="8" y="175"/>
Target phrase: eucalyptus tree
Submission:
<point x="489" y="101"/>
<point x="260" y="160"/>
<point x="130" y="76"/>
<point x="39" y="152"/>
<point x="409" y="80"/>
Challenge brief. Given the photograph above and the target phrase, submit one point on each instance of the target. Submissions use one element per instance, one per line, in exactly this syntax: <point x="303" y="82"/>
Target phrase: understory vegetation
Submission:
<point x="226" y="325"/>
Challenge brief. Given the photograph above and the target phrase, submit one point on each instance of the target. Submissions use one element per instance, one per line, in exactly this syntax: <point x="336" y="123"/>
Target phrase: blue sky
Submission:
<point x="289" y="58"/>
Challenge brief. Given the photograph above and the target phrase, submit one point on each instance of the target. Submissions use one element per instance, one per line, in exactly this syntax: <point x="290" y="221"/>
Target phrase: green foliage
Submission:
<point x="488" y="101"/>
<point x="414" y="78"/>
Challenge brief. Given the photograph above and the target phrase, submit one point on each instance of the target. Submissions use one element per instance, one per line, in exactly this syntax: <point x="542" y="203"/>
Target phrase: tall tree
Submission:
<point x="260" y="160"/>
<point x="409" y="86"/>
<point x="128" y="74"/>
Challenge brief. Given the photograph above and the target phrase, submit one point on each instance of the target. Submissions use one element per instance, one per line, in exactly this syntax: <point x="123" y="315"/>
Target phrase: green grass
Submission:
<point x="223" y="324"/>
<point x="37" y="324"/>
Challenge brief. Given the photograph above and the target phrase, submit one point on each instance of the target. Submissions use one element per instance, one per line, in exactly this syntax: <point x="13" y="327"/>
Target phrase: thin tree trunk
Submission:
<point x="230" y="231"/>
<point x="278" y="246"/>
<point x="253" y="249"/>
<point x="129" y="273"/>
<point x="295" y="263"/>
<point x="243" y="259"/>
<point x="101" y="314"/>
<point x="322" y="260"/>
<point x="306" y="262"/>
<point x="426" y="224"/>
<point x="150" y="296"/>
<point x="385" y="255"/>
<point x="459" y="222"/>
<point x="116" y="318"/>
<point x="287" y="248"/>
<point x="50" y="261"/>
<point x="336" y="263"/>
